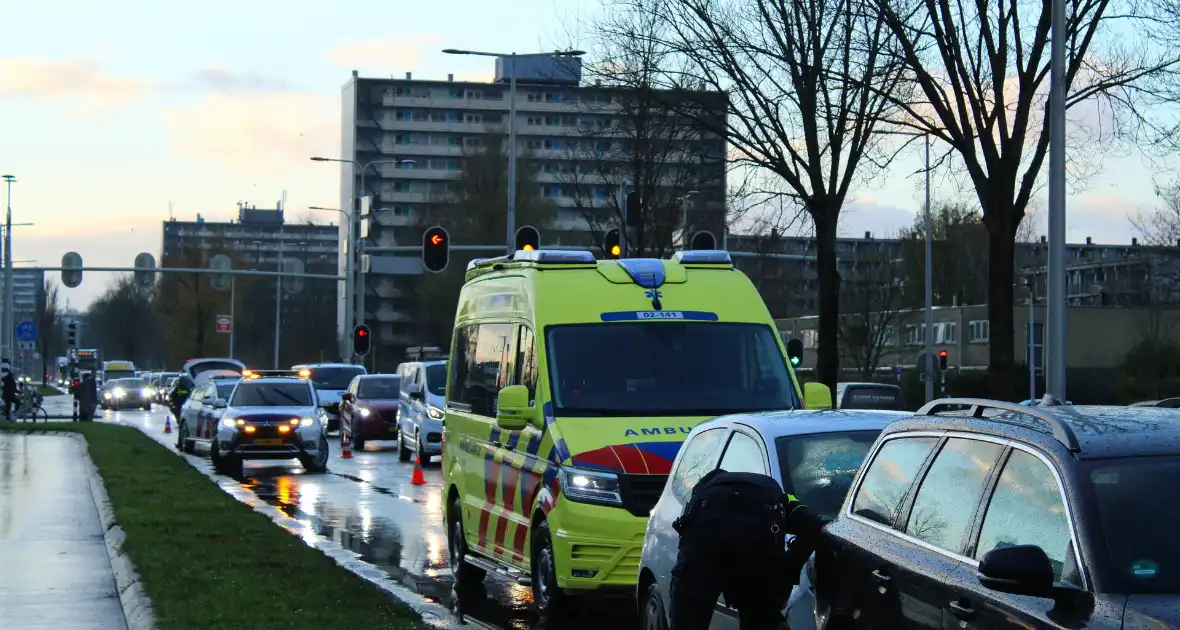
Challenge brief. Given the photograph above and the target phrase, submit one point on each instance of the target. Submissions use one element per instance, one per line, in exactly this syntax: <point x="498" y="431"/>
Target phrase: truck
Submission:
<point x="112" y="370"/>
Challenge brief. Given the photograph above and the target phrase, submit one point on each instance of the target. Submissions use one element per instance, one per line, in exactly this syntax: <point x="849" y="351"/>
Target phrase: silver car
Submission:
<point x="814" y="455"/>
<point x="270" y="418"/>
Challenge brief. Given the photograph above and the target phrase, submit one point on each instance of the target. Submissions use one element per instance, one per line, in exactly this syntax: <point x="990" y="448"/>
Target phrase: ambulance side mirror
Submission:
<point x="512" y="408"/>
<point x="817" y="396"/>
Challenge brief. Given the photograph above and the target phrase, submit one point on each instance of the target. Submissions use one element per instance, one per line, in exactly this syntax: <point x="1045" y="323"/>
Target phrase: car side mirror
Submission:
<point x="1025" y="570"/>
<point x="220" y="403"/>
<point x="817" y="396"/>
<point x="417" y="393"/>
<point x="513" y="412"/>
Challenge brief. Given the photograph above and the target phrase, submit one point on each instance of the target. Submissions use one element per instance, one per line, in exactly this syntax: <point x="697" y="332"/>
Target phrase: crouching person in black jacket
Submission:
<point x="733" y="542"/>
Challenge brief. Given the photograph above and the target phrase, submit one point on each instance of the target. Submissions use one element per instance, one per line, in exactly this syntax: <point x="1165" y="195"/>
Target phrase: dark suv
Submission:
<point x="985" y="514"/>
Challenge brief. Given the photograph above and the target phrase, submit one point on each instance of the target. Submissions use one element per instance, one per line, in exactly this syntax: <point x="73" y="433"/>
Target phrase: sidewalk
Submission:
<point x="55" y="571"/>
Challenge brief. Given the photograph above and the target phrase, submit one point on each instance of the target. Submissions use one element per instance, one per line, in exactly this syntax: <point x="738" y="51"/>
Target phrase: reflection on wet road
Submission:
<point x="367" y="506"/>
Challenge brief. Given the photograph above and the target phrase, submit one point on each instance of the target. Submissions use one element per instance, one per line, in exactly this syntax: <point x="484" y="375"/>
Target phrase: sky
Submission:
<point x="114" y="115"/>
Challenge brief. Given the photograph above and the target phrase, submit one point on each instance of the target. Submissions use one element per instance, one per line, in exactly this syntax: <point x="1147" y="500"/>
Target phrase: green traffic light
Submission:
<point x="795" y="361"/>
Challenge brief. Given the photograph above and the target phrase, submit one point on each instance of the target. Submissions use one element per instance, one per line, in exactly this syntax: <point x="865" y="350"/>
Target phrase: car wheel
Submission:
<point x="654" y="617"/>
<point x="548" y="598"/>
<point x="466" y="575"/>
<point x="319" y="463"/>
<point x="228" y="465"/>
<point x="358" y="442"/>
<point x="403" y="454"/>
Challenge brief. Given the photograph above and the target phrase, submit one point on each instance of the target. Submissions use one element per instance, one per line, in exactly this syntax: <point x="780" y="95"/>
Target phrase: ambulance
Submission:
<point x="571" y="385"/>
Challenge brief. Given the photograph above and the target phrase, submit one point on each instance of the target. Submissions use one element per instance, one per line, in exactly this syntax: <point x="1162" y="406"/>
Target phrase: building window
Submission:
<point x="401" y="187"/>
<point x="475" y="94"/>
<point x="535" y="120"/>
<point x="473" y="142"/>
<point x="554" y="97"/>
<point x="401" y="138"/>
<point x="979" y="331"/>
<point x="401" y="211"/>
<point x="915" y="334"/>
<point x="555" y="191"/>
<point x="402" y="90"/>
<point x="946" y="332"/>
<point x="533" y="143"/>
<point x="402" y="114"/>
<point x="473" y="118"/>
<point x="810" y="338"/>
<point x="551" y="143"/>
<point x="889" y="337"/>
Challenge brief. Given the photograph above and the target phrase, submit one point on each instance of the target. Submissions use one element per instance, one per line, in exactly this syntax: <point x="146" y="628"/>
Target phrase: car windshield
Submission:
<point x="255" y="394"/>
<point x="334" y="377"/>
<point x="130" y="383"/>
<point x="205" y="366"/>
<point x="436" y="379"/>
<point x="225" y="388"/>
<point x="1139" y="507"/>
<point x="872" y="397"/>
<point x="667" y="368"/>
<point x="112" y="375"/>
<point x="819" y="468"/>
<point x="383" y="387"/>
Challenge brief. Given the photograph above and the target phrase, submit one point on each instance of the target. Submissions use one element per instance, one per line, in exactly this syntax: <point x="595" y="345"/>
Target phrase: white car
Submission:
<point x="814" y="455"/>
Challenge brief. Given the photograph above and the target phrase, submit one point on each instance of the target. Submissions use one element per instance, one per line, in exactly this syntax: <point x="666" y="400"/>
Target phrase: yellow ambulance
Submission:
<point x="571" y="386"/>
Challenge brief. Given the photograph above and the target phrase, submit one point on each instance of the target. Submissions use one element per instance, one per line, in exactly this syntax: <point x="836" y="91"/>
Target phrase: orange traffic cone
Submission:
<point x="346" y="448"/>
<point x="168" y="423"/>
<point x="417" y="479"/>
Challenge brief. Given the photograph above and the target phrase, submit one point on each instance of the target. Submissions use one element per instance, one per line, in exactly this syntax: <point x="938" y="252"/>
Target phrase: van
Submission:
<point x="421" y="404"/>
<point x="572" y="383"/>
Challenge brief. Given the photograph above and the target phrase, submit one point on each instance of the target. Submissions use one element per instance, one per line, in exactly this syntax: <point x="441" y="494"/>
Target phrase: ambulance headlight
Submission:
<point x="590" y="486"/>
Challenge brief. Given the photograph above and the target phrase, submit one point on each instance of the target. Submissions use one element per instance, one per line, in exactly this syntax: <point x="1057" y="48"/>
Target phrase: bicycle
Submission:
<point x="28" y="406"/>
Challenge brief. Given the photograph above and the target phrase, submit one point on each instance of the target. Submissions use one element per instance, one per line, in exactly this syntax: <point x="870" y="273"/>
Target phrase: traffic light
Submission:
<point x="528" y="239"/>
<point x="362" y="339"/>
<point x="610" y="244"/>
<point x="436" y="249"/>
<point x="703" y="240"/>
<point x="795" y="352"/>
<point x="73" y="334"/>
<point x="942" y="356"/>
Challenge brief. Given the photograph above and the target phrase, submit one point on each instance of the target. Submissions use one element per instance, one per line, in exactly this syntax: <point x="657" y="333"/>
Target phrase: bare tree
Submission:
<point x="872" y="296"/>
<point x="982" y="71"/>
<point x="122" y="320"/>
<point x="807" y="84"/>
<point x="47" y="317"/>
<point x="189" y="304"/>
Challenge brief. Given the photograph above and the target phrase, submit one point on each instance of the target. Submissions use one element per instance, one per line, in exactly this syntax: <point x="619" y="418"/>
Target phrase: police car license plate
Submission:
<point x="267" y="442"/>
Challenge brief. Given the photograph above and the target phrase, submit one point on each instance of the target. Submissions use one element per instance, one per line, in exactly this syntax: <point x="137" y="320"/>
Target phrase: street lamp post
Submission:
<point x="928" y="319"/>
<point x="354" y="307"/>
<point x="512" y="57"/>
<point x="685" y="237"/>
<point x="1055" y="271"/>
<point x="278" y="300"/>
<point x="348" y="278"/>
<point x="8" y="320"/>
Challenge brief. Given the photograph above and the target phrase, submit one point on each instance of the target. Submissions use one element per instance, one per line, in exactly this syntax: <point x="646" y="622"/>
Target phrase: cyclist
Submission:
<point x="7" y="388"/>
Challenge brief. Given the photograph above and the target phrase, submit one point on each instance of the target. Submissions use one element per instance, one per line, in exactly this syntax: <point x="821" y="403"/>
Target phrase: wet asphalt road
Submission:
<point x="368" y="506"/>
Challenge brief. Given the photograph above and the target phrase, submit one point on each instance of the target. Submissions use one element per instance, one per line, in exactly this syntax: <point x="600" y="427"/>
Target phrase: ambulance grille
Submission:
<point x="641" y="492"/>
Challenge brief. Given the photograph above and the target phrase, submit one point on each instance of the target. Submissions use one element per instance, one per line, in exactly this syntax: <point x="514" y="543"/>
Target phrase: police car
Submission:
<point x="270" y="418"/>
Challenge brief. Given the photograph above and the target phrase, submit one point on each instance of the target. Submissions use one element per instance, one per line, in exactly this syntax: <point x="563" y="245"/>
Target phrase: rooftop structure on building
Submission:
<point x="417" y="135"/>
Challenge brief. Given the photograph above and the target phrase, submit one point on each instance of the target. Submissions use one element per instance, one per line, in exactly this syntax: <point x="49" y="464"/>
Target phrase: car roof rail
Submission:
<point x="976" y="406"/>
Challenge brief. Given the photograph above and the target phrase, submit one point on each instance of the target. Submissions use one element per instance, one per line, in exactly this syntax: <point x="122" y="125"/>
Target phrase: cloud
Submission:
<point x="261" y="133"/>
<point x="227" y="81"/>
<point x="386" y="54"/>
<point x="57" y="79"/>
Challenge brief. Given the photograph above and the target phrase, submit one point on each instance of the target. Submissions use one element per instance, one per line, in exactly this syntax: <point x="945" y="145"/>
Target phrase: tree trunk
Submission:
<point x="827" y="365"/>
<point x="1001" y="228"/>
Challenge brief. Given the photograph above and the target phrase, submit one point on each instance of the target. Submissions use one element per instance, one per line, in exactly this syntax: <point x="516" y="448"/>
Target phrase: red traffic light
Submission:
<point x="362" y="333"/>
<point x="942" y="353"/>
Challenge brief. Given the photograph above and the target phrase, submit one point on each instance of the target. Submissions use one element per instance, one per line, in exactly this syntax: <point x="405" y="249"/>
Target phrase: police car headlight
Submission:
<point x="232" y="423"/>
<point x="435" y="412"/>
<point x="590" y="486"/>
<point x="307" y="422"/>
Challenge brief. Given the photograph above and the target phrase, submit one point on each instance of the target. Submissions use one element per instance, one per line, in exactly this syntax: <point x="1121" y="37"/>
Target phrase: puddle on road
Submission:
<point x="381" y="543"/>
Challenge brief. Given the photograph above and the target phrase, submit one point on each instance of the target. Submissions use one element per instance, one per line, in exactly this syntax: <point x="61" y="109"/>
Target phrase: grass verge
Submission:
<point x="208" y="561"/>
<point x="46" y="390"/>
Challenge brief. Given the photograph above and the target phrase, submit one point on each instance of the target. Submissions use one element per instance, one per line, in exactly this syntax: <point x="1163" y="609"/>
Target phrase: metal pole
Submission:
<point x="233" y="323"/>
<point x="623" y="215"/>
<point x="929" y="325"/>
<point x="7" y="321"/>
<point x="511" y="220"/>
<point x="1032" y="368"/>
<point x="278" y="300"/>
<point x="358" y="282"/>
<point x="1055" y="299"/>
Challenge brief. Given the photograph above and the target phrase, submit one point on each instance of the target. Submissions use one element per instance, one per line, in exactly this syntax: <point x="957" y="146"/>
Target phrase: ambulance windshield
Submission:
<point x="667" y="368"/>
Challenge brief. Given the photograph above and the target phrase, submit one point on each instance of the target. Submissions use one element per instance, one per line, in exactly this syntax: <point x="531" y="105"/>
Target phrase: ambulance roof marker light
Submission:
<point x="703" y="257"/>
<point x="555" y="256"/>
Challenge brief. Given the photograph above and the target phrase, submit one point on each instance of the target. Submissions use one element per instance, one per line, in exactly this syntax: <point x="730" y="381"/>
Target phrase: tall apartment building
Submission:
<point x="418" y="134"/>
<point x="258" y="239"/>
<point x="27" y="285"/>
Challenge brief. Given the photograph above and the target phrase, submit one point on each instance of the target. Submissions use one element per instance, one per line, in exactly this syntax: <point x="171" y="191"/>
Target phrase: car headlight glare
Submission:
<point x="119" y="393"/>
<point x="307" y="422"/>
<point x="365" y="413"/>
<point x="590" y="486"/>
<point x="232" y="422"/>
<point x="106" y="394"/>
<point x="435" y="412"/>
<point x="149" y="392"/>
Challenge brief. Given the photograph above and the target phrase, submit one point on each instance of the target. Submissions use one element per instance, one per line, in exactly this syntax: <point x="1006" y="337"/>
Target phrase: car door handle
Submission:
<point x="962" y="609"/>
<point x="881" y="578"/>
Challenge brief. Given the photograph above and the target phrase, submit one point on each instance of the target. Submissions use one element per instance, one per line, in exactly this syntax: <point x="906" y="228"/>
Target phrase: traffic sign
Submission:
<point x="71" y="260"/>
<point x="220" y="282"/>
<point x="225" y="323"/>
<point x="26" y="331"/>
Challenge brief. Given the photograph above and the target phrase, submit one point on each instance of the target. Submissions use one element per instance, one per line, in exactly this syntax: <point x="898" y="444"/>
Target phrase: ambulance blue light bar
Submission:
<point x="703" y="257"/>
<point x="556" y="256"/>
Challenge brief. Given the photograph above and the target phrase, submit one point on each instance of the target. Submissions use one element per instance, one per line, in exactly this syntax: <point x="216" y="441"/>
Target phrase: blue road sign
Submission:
<point x="26" y="332"/>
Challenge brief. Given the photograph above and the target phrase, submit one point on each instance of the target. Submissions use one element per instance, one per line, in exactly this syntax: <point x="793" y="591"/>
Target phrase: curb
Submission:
<point x="137" y="607"/>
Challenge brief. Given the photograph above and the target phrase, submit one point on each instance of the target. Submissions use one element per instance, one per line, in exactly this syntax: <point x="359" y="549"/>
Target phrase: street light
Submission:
<point x="1055" y="270"/>
<point x="510" y="240"/>
<point x="684" y="214"/>
<point x="928" y="324"/>
<point x="353" y="305"/>
<point x="9" y="304"/>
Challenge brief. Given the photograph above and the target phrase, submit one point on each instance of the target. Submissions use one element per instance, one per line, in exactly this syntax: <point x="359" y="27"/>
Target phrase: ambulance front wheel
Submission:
<point x="466" y="575"/>
<point x="547" y="595"/>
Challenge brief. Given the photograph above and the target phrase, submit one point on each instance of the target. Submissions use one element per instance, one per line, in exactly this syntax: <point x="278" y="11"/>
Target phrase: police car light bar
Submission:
<point x="556" y="256"/>
<point x="703" y="257"/>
